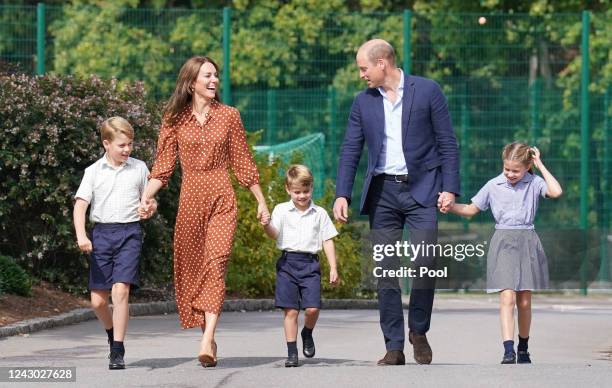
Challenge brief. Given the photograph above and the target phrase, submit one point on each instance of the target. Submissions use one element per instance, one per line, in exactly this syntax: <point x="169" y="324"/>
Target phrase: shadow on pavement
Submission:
<point x="160" y="363"/>
<point x="245" y="362"/>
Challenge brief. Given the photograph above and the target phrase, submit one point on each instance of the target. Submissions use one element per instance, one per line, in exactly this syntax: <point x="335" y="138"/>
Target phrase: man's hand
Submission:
<point x="341" y="210"/>
<point x="446" y="201"/>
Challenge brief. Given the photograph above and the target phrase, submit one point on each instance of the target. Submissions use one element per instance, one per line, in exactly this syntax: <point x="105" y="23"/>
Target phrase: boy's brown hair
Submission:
<point x="298" y="175"/>
<point x="115" y="125"/>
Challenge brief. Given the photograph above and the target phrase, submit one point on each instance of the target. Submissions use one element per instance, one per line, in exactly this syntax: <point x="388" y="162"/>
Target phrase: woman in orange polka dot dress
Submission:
<point x="207" y="137"/>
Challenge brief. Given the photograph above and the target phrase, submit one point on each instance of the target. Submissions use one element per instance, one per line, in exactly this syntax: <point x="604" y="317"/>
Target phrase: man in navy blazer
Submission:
<point x="413" y="166"/>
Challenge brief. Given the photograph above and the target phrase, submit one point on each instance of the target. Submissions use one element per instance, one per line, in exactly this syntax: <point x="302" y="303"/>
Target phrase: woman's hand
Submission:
<point x="147" y="208"/>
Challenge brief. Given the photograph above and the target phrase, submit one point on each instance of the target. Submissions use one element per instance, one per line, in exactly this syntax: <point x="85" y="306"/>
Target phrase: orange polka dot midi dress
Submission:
<point x="206" y="219"/>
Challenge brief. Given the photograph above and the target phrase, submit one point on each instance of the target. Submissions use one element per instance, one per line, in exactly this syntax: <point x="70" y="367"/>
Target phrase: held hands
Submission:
<point x="263" y="215"/>
<point x="446" y="201"/>
<point x="341" y="210"/>
<point x="333" y="277"/>
<point x="148" y="206"/>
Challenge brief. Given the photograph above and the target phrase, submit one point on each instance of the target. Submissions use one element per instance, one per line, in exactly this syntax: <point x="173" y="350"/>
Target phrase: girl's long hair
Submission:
<point x="182" y="95"/>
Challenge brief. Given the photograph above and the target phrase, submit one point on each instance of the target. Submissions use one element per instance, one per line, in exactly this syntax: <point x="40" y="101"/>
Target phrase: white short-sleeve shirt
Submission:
<point x="302" y="231"/>
<point x="113" y="193"/>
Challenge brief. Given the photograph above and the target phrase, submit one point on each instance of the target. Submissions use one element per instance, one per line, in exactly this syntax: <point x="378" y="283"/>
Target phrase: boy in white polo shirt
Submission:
<point x="113" y="186"/>
<point x="301" y="229"/>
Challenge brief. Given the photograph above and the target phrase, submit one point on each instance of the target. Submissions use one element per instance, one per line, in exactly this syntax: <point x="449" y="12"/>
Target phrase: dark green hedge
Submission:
<point x="13" y="279"/>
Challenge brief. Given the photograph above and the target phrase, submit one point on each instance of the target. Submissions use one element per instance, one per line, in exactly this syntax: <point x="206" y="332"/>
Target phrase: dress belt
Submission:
<point x="396" y="178"/>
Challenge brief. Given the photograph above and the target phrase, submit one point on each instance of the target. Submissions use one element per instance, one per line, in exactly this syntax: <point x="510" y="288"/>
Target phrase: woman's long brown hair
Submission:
<point x="182" y="95"/>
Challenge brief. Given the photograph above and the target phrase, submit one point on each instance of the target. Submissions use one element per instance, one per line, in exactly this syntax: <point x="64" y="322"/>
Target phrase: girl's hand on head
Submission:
<point x="535" y="152"/>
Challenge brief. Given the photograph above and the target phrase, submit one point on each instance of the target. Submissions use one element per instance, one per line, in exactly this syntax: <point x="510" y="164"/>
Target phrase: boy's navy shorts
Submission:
<point x="115" y="256"/>
<point x="298" y="281"/>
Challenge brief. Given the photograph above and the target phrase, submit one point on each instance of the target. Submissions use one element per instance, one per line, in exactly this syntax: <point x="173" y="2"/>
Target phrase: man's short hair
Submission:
<point x="298" y="175"/>
<point x="115" y="125"/>
<point x="383" y="50"/>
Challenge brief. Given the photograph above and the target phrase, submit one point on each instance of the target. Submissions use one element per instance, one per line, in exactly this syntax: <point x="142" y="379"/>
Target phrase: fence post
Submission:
<point x="40" y="39"/>
<point x="333" y="128"/>
<point x="604" y="267"/>
<point x="584" y="144"/>
<point x="536" y="102"/>
<point x="271" y="116"/>
<point x="227" y="28"/>
<point x="407" y="46"/>
<point x="407" y="67"/>
<point x="464" y="150"/>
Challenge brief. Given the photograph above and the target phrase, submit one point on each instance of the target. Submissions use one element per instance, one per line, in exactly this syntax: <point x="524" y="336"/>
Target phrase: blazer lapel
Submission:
<point x="407" y="105"/>
<point x="379" y="114"/>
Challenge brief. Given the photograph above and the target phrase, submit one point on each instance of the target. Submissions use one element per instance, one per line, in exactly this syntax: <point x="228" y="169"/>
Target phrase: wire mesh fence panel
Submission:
<point x="18" y="38"/>
<point x="507" y="77"/>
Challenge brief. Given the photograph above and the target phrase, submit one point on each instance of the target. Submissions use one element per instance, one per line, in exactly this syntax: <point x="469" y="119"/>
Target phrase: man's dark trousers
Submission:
<point x="391" y="206"/>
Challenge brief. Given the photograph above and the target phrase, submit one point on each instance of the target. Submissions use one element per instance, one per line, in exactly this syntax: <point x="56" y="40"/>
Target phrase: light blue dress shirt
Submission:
<point x="391" y="159"/>
<point x="513" y="207"/>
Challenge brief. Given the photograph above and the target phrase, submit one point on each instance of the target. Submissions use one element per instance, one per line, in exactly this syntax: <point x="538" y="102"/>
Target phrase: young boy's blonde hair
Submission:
<point x="298" y="176"/>
<point x="115" y="125"/>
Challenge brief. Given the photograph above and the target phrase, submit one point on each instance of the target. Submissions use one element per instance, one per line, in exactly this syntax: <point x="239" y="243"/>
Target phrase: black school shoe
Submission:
<point x="308" y="346"/>
<point x="523" y="357"/>
<point x="116" y="360"/>
<point x="509" y="358"/>
<point x="292" y="361"/>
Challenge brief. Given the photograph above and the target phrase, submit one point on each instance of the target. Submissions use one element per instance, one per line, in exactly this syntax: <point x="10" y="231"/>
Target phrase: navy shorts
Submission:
<point x="115" y="256"/>
<point x="298" y="281"/>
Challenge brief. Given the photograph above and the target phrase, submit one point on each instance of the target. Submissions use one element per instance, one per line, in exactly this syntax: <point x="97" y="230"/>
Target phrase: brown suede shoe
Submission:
<point x="421" y="348"/>
<point x="393" y="357"/>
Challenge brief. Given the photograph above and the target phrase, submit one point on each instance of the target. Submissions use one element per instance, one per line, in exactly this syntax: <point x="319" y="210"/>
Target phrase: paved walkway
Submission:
<point x="571" y="345"/>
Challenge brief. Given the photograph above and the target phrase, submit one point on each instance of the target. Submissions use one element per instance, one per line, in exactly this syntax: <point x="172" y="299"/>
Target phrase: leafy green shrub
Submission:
<point x="49" y="136"/>
<point x="13" y="278"/>
<point x="252" y="269"/>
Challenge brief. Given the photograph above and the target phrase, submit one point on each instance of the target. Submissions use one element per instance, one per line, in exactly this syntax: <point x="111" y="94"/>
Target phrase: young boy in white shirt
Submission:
<point x="301" y="229"/>
<point x="112" y="187"/>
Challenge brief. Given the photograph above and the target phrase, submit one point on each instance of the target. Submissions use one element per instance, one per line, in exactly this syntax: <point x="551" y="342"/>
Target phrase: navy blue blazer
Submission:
<point x="430" y="146"/>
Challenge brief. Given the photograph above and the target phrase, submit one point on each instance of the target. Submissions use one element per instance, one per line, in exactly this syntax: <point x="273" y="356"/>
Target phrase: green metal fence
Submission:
<point x="544" y="79"/>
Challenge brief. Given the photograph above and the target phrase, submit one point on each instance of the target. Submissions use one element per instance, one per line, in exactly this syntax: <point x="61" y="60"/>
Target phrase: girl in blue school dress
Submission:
<point x="516" y="262"/>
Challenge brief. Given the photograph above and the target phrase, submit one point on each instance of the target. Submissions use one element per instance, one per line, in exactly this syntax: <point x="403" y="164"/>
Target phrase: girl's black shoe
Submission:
<point x="509" y="358"/>
<point x="523" y="357"/>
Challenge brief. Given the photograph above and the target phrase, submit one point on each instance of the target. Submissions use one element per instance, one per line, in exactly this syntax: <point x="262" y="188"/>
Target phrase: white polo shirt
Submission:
<point x="302" y="231"/>
<point x="113" y="192"/>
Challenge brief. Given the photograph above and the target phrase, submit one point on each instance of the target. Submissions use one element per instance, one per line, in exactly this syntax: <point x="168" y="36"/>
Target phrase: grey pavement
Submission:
<point x="571" y="345"/>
